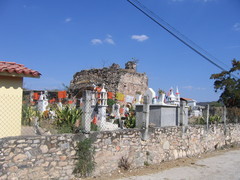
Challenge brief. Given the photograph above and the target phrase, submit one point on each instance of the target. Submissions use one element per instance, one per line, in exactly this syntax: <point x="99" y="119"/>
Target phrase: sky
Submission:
<point x="61" y="37"/>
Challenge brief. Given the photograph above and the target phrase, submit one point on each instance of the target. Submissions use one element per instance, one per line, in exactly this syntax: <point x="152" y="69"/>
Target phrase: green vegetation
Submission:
<point x="28" y="115"/>
<point x="66" y="118"/>
<point x="94" y="127"/>
<point x="124" y="164"/>
<point x="146" y="163"/>
<point x="215" y="104"/>
<point x="215" y="119"/>
<point x="85" y="158"/>
<point x="201" y="120"/>
<point x="130" y="121"/>
<point x="110" y="102"/>
<point x="229" y="85"/>
<point x="160" y="91"/>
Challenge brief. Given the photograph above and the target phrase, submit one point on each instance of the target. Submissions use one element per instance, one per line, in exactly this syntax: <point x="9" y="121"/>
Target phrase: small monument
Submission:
<point x="94" y="110"/>
<point x="42" y="102"/>
<point x="152" y="95"/>
<point x="172" y="99"/>
<point x="102" y="105"/>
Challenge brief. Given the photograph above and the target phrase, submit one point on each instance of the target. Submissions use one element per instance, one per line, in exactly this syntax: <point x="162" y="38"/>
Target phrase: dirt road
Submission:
<point x="223" y="166"/>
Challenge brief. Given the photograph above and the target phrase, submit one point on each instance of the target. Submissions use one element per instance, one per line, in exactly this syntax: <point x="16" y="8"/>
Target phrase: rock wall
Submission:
<point x="116" y="79"/>
<point x="53" y="156"/>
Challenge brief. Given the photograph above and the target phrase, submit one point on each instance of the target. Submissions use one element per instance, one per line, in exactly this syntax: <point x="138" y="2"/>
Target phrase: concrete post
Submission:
<point x="146" y="103"/>
<point x="178" y="120"/>
<point x="207" y="116"/>
<point x="183" y="113"/>
<point x="224" y="118"/>
<point x="87" y="112"/>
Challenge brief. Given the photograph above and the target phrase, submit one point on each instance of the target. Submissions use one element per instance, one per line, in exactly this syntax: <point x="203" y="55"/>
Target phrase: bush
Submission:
<point x="85" y="158"/>
<point x="130" y="121"/>
<point x="28" y="115"/>
<point x="214" y="119"/>
<point x="124" y="163"/>
<point x="66" y="118"/>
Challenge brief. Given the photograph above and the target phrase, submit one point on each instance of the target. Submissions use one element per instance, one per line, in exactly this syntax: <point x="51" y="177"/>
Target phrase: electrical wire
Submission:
<point x="189" y="43"/>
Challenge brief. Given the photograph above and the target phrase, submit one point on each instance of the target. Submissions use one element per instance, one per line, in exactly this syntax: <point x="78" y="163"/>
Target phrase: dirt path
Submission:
<point x="224" y="164"/>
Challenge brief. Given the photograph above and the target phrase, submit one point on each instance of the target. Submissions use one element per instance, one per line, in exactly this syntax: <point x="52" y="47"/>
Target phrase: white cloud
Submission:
<point x="236" y="26"/>
<point x="67" y="20"/>
<point x="140" y="38"/>
<point x="187" y="87"/>
<point x="109" y="39"/>
<point x="96" y="41"/>
<point x="194" y="88"/>
<point x="200" y="88"/>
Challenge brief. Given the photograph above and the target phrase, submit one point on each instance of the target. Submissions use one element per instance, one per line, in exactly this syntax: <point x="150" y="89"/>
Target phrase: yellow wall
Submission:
<point x="10" y="106"/>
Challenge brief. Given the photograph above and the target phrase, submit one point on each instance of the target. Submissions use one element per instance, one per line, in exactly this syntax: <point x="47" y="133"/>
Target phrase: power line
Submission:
<point x="177" y="34"/>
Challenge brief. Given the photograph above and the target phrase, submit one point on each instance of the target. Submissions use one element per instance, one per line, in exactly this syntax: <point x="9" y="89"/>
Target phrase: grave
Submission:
<point x="161" y="114"/>
<point x="94" y="110"/>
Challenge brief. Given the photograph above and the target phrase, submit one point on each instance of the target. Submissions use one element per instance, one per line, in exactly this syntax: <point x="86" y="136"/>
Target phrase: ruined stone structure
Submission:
<point x="127" y="81"/>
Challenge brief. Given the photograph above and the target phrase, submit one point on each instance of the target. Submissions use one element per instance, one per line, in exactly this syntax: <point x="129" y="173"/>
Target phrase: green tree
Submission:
<point x="229" y="85"/>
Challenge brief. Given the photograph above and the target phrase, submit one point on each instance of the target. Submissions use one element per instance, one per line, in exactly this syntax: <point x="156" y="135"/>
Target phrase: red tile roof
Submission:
<point x="186" y="99"/>
<point x="14" y="68"/>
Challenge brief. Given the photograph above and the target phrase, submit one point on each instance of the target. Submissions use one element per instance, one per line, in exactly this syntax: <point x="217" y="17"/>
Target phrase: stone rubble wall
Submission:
<point x="125" y="81"/>
<point x="39" y="157"/>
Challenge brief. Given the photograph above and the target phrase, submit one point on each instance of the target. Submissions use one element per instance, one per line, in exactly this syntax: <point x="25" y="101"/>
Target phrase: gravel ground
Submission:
<point x="217" y="165"/>
<point x="225" y="166"/>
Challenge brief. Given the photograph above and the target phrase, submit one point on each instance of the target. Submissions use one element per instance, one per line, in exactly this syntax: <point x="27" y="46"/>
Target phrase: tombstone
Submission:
<point x="152" y="95"/>
<point x="42" y="103"/>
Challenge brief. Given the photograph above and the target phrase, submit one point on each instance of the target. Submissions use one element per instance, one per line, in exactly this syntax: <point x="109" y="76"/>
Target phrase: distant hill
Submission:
<point x="211" y="103"/>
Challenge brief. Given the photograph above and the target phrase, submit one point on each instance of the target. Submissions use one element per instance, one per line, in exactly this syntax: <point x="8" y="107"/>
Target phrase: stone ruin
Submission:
<point x="127" y="81"/>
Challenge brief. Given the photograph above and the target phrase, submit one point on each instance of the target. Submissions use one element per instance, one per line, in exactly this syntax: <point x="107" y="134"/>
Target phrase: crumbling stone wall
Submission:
<point x="127" y="81"/>
<point x="53" y="157"/>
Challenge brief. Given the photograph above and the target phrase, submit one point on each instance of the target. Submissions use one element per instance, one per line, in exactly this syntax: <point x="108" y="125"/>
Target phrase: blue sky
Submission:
<point x="61" y="37"/>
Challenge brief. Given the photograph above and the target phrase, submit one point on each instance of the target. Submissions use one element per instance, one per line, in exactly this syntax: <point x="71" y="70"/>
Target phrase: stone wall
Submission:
<point x="53" y="156"/>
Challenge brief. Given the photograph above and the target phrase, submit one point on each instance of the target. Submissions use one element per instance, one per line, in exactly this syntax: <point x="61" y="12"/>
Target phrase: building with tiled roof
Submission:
<point x="14" y="69"/>
<point x="11" y="91"/>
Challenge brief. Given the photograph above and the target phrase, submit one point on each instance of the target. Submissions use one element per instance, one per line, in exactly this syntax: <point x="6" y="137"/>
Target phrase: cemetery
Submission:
<point x="101" y="106"/>
<point x="140" y="127"/>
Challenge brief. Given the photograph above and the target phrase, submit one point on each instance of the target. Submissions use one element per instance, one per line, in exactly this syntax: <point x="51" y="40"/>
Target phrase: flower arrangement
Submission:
<point x="160" y="91"/>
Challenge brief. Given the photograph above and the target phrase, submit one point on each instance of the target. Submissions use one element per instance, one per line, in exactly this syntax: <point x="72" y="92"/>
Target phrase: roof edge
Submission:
<point x="18" y="75"/>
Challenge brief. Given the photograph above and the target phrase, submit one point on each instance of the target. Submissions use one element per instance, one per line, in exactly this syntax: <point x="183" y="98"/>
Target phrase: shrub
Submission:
<point x="66" y="118"/>
<point x="124" y="163"/>
<point x="130" y="121"/>
<point x="201" y="120"/>
<point x="28" y="115"/>
<point x="214" y="119"/>
<point x="85" y="158"/>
